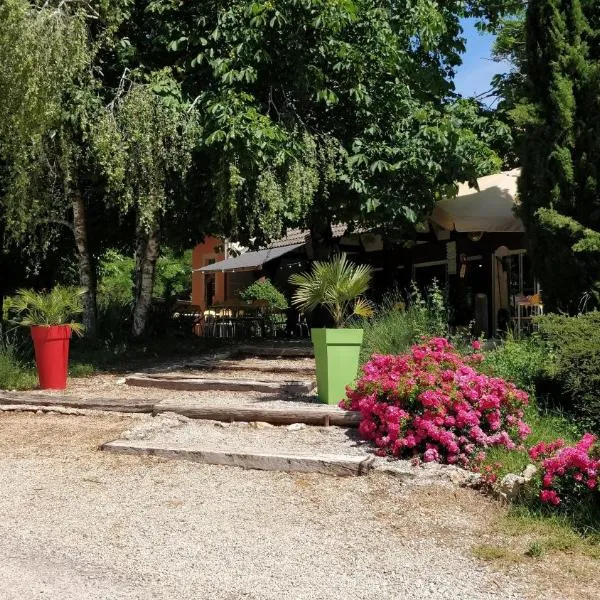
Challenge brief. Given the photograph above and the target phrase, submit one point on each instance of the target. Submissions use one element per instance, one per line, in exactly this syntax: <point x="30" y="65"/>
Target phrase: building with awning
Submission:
<point x="249" y="261"/>
<point x="488" y="208"/>
<point x="473" y="244"/>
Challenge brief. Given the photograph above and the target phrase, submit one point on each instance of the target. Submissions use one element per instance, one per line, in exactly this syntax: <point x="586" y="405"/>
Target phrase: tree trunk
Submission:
<point x="146" y="255"/>
<point x="321" y="239"/>
<point x="87" y="278"/>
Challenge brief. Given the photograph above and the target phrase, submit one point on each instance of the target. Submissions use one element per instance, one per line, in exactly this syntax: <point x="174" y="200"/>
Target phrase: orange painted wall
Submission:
<point x="211" y="248"/>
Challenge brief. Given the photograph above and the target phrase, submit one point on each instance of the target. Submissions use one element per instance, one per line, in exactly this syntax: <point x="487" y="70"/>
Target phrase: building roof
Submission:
<point x="302" y="236"/>
<point x="489" y="208"/>
<point x="249" y="261"/>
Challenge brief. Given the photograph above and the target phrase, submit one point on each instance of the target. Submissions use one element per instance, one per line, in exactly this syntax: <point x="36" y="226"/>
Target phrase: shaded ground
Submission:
<point x="76" y="523"/>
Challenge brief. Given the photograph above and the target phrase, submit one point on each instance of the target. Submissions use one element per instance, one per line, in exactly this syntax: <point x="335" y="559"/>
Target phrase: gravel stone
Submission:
<point x="296" y="426"/>
<point x="78" y="524"/>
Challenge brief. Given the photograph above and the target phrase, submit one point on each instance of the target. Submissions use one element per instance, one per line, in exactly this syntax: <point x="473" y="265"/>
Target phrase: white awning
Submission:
<point x="488" y="209"/>
<point x="249" y="261"/>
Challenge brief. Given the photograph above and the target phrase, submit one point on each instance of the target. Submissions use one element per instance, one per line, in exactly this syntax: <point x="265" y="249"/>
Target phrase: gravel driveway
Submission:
<point x="79" y="524"/>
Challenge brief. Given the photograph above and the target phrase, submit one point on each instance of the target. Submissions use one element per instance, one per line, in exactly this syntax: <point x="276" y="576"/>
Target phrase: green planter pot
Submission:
<point x="336" y="353"/>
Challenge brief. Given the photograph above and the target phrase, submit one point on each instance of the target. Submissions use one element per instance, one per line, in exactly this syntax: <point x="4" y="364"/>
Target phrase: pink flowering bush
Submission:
<point x="433" y="404"/>
<point x="568" y="472"/>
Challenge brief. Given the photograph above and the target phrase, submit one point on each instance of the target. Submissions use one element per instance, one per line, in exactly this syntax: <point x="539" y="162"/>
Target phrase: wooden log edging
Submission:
<point x="231" y="365"/>
<point x="132" y="405"/>
<point x="338" y="465"/>
<point x="275" y="351"/>
<point x="310" y="415"/>
<point x="193" y="383"/>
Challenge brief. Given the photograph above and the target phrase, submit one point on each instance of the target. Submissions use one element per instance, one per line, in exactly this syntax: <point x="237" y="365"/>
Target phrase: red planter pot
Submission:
<point x="51" y="346"/>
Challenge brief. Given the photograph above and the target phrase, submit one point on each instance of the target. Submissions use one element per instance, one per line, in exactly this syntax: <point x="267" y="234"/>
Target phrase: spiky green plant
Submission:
<point x="338" y="285"/>
<point x="59" y="306"/>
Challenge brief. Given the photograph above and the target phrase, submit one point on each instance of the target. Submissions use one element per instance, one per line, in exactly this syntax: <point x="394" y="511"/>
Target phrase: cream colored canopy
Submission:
<point x="488" y="209"/>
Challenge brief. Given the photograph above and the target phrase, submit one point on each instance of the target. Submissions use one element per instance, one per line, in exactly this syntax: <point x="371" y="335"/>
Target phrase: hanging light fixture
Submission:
<point x="475" y="236"/>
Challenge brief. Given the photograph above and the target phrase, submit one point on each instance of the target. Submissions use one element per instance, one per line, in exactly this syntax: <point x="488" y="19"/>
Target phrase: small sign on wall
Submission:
<point x="451" y="257"/>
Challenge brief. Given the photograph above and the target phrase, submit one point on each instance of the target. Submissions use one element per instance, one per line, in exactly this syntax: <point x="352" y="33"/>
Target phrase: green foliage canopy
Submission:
<point x="319" y="111"/>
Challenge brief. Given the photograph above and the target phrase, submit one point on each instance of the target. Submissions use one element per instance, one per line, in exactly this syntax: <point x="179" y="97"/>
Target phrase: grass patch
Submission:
<point x="552" y="533"/>
<point x="492" y="553"/>
<point x="15" y="375"/>
<point x="78" y="369"/>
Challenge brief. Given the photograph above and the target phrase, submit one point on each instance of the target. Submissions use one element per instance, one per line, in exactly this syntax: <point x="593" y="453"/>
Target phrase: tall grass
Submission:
<point x="402" y="319"/>
<point x="16" y="371"/>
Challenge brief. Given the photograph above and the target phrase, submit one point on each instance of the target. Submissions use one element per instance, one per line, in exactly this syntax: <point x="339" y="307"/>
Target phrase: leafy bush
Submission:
<point x="574" y="371"/>
<point x="398" y="322"/>
<point x="115" y="280"/>
<point x="264" y="290"/>
<point x="433" y="404"/>
<point x="115" y="277"/>
<point x="569" y="473"/>
<point x="523" y="361"/>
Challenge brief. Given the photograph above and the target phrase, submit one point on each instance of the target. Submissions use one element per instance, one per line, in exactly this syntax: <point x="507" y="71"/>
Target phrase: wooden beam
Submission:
<point x="311" y="415"/>
<point x="339" y="465"/>
<point x="197" y="383"/>
<point x="231" y="365"/>
<point x="275" y="351"/>
<point x="111" y="404"/>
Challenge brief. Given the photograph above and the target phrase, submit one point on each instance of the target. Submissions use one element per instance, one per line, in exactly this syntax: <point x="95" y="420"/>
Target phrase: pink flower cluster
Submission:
<point x="432" y="403"/>
<point x="566" y="470"/>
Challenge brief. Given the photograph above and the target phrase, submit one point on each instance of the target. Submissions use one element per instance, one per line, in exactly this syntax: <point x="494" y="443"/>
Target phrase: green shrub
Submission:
<point x="574" y="372"/>
<point x="265" y="290"/>
<point x="524" y="361"/>
<point x="400" y="322"/>
<point x="173" y="277"/>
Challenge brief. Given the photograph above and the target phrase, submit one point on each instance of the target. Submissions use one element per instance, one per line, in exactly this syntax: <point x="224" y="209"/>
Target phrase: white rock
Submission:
<point x="511" y="486"/>
<point x="529" y="472"/>
<point x="120" y="381"/>
<point x="220" y="424"/>
<point x="296" y="426"/>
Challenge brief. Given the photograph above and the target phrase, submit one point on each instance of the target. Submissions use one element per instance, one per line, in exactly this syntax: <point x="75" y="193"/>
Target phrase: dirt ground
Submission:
<point x="76" y="523"/>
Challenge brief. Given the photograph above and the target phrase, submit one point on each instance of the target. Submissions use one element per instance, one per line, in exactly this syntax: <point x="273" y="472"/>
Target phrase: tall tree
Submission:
<point x="54" y="69"/>
<point x="144" y="143"/>
<point x="319" y="111"/>
<point x="560" y="181"/>
<point x="40" y="54"/>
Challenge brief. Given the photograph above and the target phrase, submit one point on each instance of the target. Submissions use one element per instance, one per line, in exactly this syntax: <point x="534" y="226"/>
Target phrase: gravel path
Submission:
<point x="113" y="386"/>
<point x="79" y="524"/>
<point x="245" y="374"/>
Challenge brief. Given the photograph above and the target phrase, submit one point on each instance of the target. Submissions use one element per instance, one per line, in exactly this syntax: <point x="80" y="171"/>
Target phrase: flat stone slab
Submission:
<point x="328" y="464"/>
<point x="315" y="414"/>
<point x="169" y="381"/>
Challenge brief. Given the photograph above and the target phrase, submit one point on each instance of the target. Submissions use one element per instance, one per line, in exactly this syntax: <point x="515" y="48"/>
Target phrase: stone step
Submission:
<point x="328" y="464"/>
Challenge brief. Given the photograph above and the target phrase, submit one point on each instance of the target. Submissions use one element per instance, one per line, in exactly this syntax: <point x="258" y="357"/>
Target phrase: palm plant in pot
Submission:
<point x="50" y="317"/>
<point x="337" y="285"/>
